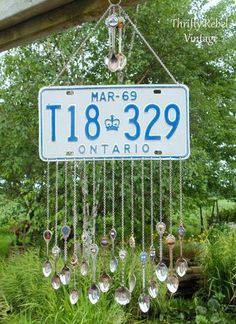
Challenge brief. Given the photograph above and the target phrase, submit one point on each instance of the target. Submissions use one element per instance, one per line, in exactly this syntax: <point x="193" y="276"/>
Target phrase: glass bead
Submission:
<point x="56" y="282"/>
<point x="104" y="282"/>
<point x="113" y="234"/>
<point x="112" y="21"/>
<point x="47" y="236"/>
<point x="161" y="228"/>
<point x="143" y="257"/>
<point x="132" y="282"/>
<point x="121" y="22"/>
<point x="144" y="303"/>
<point x="65" y="232"/>
<point x="122" y="296"/>
<point x="94" y="294"/>
<point x="152" y="288"/>
<point x="65" y="275"/>
<point x="181" y="267"/>
<point x="47" y="268"/>
<point x="113" y="264"/>
<point x="172" y="283"/>
<point x="132" y="242"/>
<point x="122" y="254"/>
<point x="161" y="271"/>
<point x="170" y="240"/>
<point x="74" y="296"/>
<point x="152" y="252"/>
<point x="181" y="231"/>
<point x="74" y="260"/>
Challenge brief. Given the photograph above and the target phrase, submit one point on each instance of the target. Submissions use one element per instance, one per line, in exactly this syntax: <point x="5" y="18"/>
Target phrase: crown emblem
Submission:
<point x="112" y="124"/>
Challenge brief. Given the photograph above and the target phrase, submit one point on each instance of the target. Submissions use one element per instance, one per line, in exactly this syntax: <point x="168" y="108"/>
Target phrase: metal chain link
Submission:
<point x="94" y="201"/>
<point x="65" y="211"/>
<point x="113" y="193"/>
<point x="151" y="205"/>
<point x="104" y="198"/>
<point x="160" y="188"/>
<point x="132" y="197"/>
<point x="143" y="206"/>
<point x="75" y="206"/>
<point x="170" y="197"/>
<point x="122" y="206"/>
<point x="48" y="195"/>
<point x="56" y="205"/>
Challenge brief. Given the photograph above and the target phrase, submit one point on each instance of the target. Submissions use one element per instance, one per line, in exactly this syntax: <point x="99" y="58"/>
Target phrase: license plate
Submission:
<point x="114" y="122"/>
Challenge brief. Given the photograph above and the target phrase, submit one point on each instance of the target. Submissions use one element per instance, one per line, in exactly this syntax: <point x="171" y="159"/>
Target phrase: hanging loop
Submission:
<point x="114" y="4"/>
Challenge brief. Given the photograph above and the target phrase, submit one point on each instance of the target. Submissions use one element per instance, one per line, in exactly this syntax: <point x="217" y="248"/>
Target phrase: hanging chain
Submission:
<point x="104" y="198"/>
<point x="113" y="193"/>
<point x="160" y="216"/>
<point x="151" y="207"/>
<point x="143" y="207"/>
<point x="94" y="200"/>
<point x="181" y="191"/>
<point x="170" y="196"/>
<point x="75" y="207"/>
<point x="65" y="211"/>
<point x="132" y="198"/>
<point x="56" y="205"/>
<point x="122" y="222"/>
<point x="84" y="191"/>
<point x="48" y="195"/>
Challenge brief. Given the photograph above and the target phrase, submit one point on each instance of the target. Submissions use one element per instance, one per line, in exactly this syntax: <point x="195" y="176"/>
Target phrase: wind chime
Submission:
<point x="81" y="265"/>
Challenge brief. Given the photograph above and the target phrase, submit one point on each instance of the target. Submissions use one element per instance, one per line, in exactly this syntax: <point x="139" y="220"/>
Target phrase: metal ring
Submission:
<point x="114" y="4"/>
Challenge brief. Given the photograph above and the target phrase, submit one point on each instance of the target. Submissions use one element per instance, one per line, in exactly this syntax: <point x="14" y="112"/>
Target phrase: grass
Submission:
<point x="6" y="240"/>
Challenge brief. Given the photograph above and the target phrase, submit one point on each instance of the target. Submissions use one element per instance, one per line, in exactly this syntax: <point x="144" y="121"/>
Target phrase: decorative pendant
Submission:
<point x="161" y="271"/>
<point x="47" y="268"/>
<point x="132" y="242"/>
<point x="94" y="294"/>
<point x="84" y="268"/>
<point x="74" y="296"/>
<point x="56" y="282"/>
<point x="47" y="236"/>
<point x="104" y="282"/>
<point x="113" y="264"/>
<point x="122" y="296"/>
<point x="132" y="282"/>
<point x="65" y="275"/>
<point x="65" y="232"/>
<point x="181" y="267"/>
<point x="172" y="283"/>
<point x="122" y="254"/>
<point x="56" y="252"/>
<point x="152" y="288"/>
<point x="144" y="303"/>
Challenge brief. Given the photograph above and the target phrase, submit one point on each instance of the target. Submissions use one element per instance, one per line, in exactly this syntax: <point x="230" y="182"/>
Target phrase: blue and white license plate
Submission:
<point x="114" y="122"/>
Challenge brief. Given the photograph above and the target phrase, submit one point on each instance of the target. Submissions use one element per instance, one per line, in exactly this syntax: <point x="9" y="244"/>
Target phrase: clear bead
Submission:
<point x="181" y="231"/>
<point x="152" y="252"/>
<point x="172" y="283"/>
<point x="152" y="288"/>
<point x="104" y="241"/>
<point x="122" y="254"/>
<point x="56" y="282"/>
<point x="161" y="228"/>
<point x="113" y="264"/>
<point x="47" y="269"/>
<point x="143" y="257"/>
<point x="104" y="282"/>
<point x="65" y="275"/>
<point x="181" y="267"/>
<point x="74" y="260"/>
<point x="144" y="303"/>
<point x="74" y="296"/>
<point x="113" y="234"/>
<point x="161" y="271"/>
<point x="84" y="268"/>
<point x="94" y="294"/>
<point x="112" y="21"/>
<point x="122" y="296"/>
<point x="132" y="282"/>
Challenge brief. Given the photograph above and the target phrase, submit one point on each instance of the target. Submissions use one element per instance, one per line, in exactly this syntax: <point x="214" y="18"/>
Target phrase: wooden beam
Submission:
<point x="66" y="16"/>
